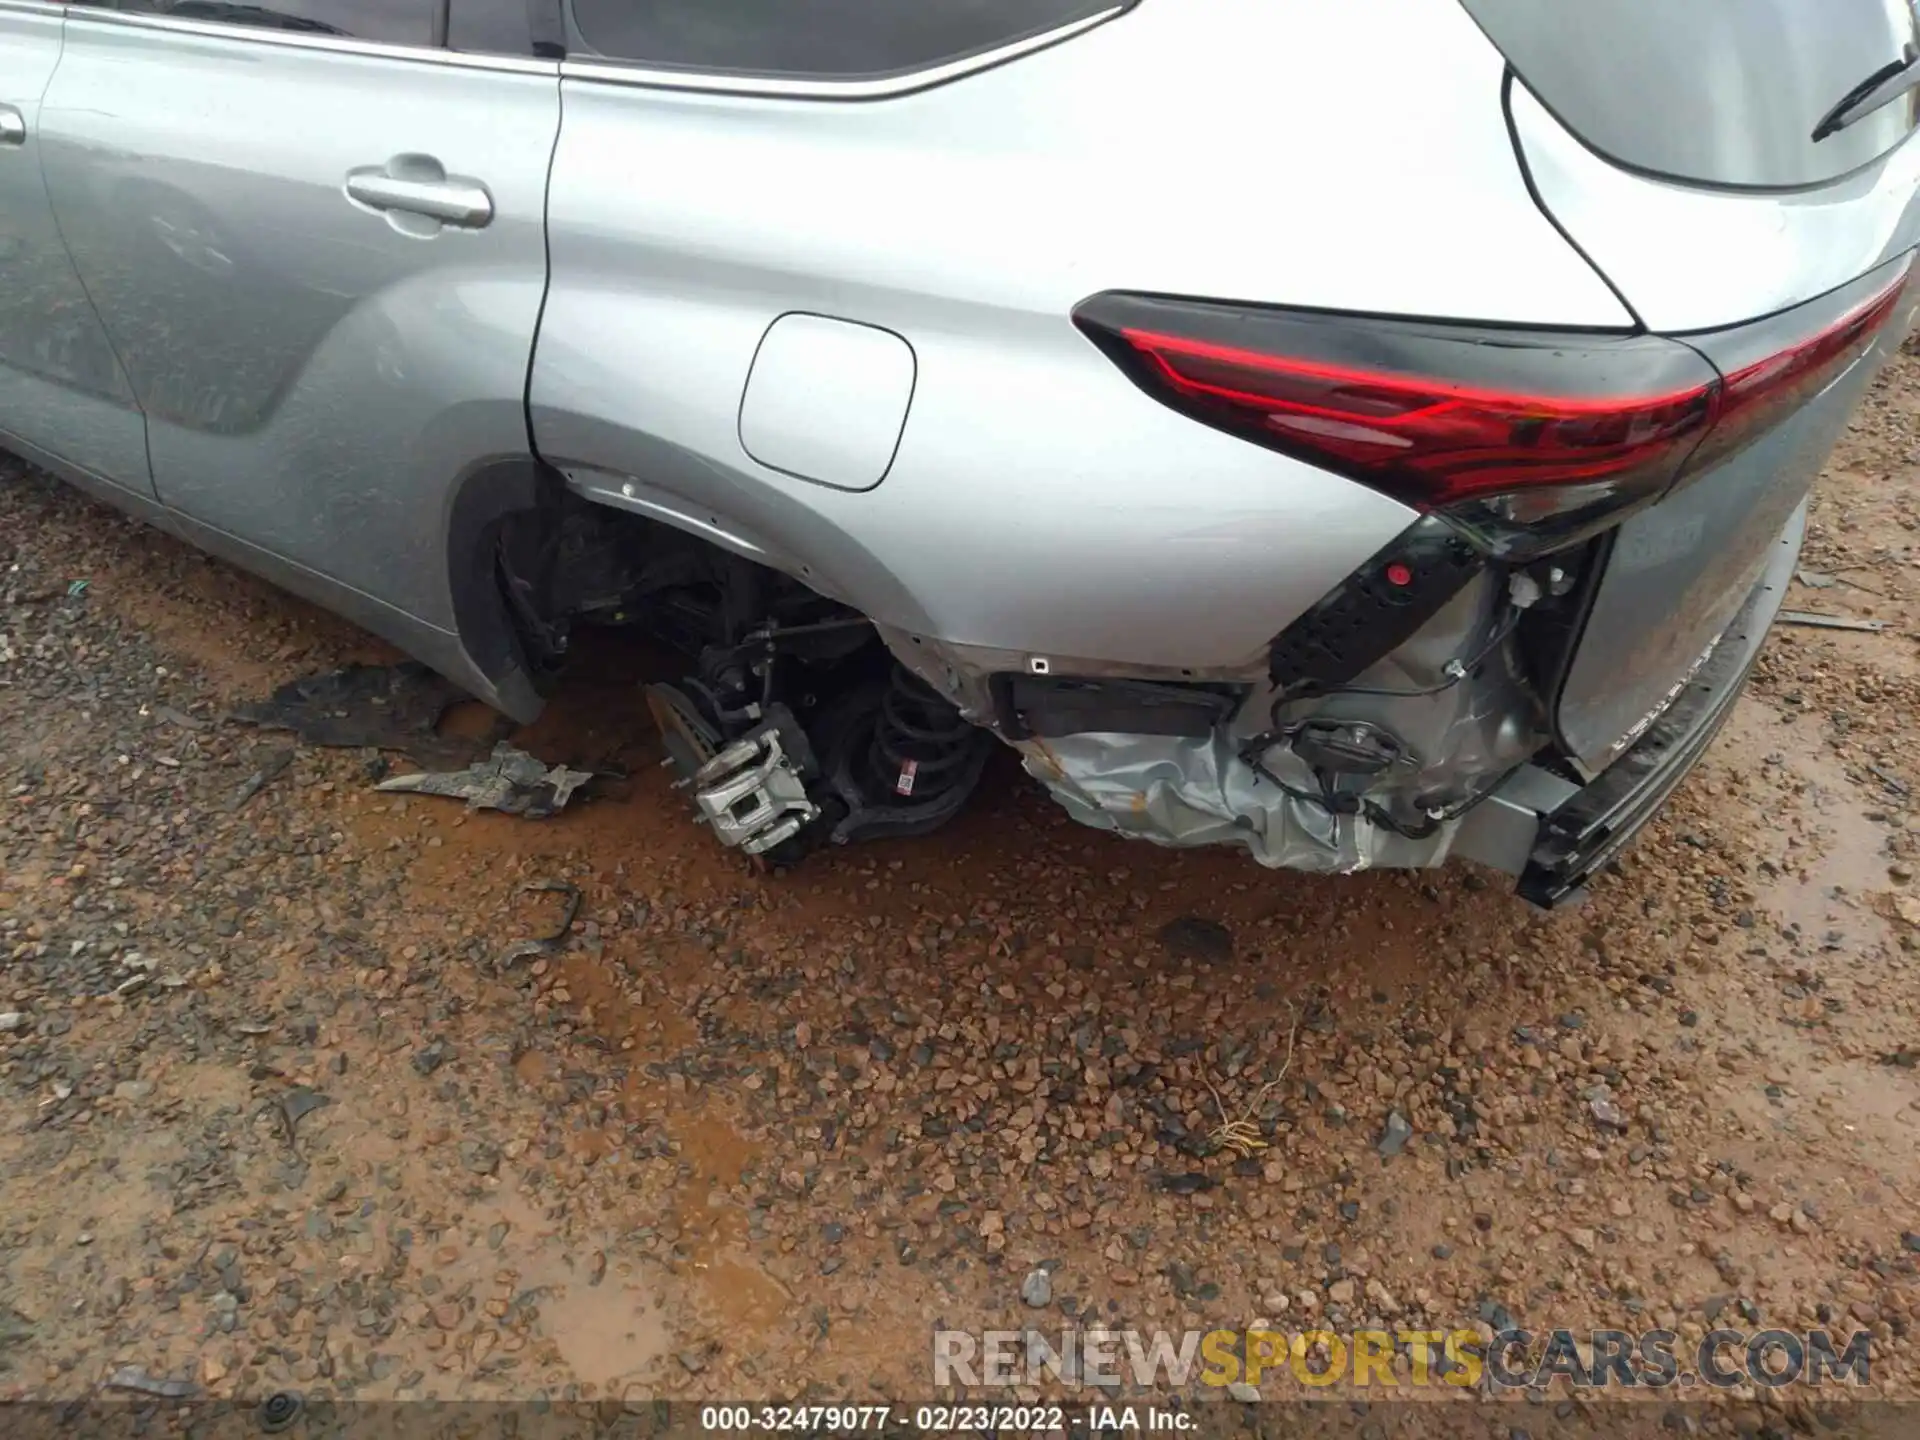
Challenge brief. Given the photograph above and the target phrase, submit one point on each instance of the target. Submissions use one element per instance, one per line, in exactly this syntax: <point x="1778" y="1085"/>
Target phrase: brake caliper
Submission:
<point x="754" y="792"/>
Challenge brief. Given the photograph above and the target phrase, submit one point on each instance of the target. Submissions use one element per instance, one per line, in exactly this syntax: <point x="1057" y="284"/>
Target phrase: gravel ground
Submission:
<point x="280" y="1114"/>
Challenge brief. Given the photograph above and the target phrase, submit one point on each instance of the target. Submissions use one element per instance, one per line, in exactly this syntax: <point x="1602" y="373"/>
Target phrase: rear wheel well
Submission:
<point x="503" y="507"/>
<point x="831" y="739"/>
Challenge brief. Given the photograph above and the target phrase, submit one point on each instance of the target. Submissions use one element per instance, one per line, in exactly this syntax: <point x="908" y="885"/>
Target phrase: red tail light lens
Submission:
<point x="1774" y="367"/>
<point x="1530" y="440"/>
<point x="1432" y="441"/>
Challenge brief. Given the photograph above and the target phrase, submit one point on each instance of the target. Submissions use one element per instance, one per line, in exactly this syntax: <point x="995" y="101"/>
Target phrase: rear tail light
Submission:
<point x="1527" y="440"/>
<point x="1775" y="366"/>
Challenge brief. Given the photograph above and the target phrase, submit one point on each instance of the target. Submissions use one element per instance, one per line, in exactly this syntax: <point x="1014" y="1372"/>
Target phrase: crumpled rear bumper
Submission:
<point x="1537" y="823"/>
<point x="1183" y="792"/>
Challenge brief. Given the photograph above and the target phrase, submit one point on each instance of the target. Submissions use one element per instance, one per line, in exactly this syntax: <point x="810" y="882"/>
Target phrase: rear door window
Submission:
<point x="818" y="39"/>
<point x="1728" y="92"/>
<point x="486" y="27"/>
<point x="505" y="27"/>
<point x="389" y="22"/>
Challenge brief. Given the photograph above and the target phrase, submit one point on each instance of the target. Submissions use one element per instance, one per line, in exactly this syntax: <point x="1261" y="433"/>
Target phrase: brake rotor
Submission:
<point x="690" y="740"/>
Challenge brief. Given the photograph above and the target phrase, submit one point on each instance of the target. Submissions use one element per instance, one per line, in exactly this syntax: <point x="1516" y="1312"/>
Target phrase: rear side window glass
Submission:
<point x="388" y="22"/>
<point x="504" y="27"/>
<point x="818" y="39"/>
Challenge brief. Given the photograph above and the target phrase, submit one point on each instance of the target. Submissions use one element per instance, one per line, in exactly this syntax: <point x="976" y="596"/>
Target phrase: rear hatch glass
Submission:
<point x="1721" y="92"/>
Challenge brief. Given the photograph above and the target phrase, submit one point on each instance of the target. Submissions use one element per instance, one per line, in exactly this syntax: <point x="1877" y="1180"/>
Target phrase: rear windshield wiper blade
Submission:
<point x="1883" y="87"/>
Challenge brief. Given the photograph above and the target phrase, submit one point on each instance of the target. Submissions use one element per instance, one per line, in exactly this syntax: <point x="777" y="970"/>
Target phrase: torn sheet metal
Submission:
<point x="1457" y="727"/>
<point x="1180" y="792"/>
<point x="509" y="780"/>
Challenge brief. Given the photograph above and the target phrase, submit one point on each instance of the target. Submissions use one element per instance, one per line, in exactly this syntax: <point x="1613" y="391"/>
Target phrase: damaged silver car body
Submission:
<point x="1378" y="776"/>
<point x="1436" y="761"/>
<point x="1358" y="484"/>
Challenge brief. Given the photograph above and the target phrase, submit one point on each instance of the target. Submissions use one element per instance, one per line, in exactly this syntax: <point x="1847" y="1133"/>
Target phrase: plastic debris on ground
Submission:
<point x="272" y="765"/>
<point x="509" y="780"/>
<point x="545" y="944"/>
<point x="178" y="717"/>
<point x="295" y="1105"/>
<point x="388" y="707"/>
<point x="1828" y="622"/>
<point x="132" y="1377"/>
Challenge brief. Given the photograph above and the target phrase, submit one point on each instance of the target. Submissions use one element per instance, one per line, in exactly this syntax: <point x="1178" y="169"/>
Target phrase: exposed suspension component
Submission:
<point x="903" y="761"/>
<point x="897" y="759"/>
<point x="794" y="726"/>
<point x="921" y="745"/>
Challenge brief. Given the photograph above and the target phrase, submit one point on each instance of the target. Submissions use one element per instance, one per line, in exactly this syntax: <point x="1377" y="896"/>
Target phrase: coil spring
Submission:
<point x="919" y="739"/>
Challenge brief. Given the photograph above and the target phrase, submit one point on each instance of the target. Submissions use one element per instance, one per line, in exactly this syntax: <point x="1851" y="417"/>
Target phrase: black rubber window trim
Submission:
<point x="807" y="45"/>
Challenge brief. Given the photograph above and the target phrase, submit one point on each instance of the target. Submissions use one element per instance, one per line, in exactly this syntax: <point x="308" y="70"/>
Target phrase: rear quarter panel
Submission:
<point x="1038" y="500"/>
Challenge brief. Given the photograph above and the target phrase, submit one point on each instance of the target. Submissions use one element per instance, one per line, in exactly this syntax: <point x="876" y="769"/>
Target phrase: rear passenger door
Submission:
<point x="314" y="230"/>
<point x="62" y="392"/>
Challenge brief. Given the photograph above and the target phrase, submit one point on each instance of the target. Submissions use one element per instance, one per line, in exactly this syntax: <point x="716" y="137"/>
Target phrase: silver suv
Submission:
<point x="1361" y="433"/>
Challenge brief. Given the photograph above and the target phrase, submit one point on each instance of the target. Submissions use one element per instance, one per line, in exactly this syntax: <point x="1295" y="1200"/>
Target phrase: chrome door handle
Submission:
<point x="451" y="201"/>
<point x="13" y="126"/>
